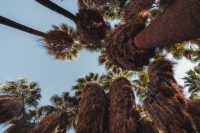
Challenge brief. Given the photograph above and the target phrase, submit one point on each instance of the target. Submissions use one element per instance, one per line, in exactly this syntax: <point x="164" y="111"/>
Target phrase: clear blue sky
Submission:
<point x="21" y="55"/>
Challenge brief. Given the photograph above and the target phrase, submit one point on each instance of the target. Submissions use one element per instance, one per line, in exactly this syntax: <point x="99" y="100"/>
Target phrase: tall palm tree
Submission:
<point x="121" y="50"/>
<point x="123" y="115"/>
<point x="90" y="24"/>
<point x="92" y="110"/>
<point x="165" y="101"/>
<point x="179" y="22"/>
<point x="57" y="42"/>
<point x="11" y="107"/>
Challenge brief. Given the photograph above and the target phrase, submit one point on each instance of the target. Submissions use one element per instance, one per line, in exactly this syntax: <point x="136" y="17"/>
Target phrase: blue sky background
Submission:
<point x="21" y="55"/>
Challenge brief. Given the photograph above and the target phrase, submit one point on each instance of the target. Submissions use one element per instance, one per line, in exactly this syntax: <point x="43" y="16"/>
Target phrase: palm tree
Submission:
<point x="29" y="91"/>
<point x="92" y="110"/>
<point x="90" y="24"/>
<point x="179" y="22"/>
<point x="58" y="117"/>
<point x="81" y="83"/>
<point x="54" y="122"/>
<point x="121" y="50"/>
<point x="165" y="101"/>
<point x="11" y="107"/>
<point x="57" y="42"/>
<point x="25" y="98"/>
<point x="123" y="115"/>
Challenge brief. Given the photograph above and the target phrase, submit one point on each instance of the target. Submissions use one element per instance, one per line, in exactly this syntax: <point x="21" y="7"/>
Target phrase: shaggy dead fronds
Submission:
<point x="165" y="101"/>
<point x="10" y="107"/>
<point x="56" y="122"/>
<point x="122" y="51"/>
<point x="91" y="25"/>
<point x="58" y="42"/>
<point x="123" y="115"/>
<point x="92" y="110"/>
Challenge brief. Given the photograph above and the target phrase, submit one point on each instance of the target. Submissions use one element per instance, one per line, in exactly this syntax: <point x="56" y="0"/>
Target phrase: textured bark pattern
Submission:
<point x="91" y="25"/>
<point x="179" y="22"/>
<point x="57" y="42"/>
<point x="10" y="107"/>
<point x="92" y="110"/>
<point x="123" y="115"/>
<point x="134" y="7"/>
<point x="121" y="50"/>
<point x="165" y="101"/>
<point x="194" y="110"/>
<point x="55" y="122"/>
<point x="20" y="128"/>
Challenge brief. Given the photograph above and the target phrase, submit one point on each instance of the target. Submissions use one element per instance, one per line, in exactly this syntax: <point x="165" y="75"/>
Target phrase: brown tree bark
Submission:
<point x="179" y="22"/>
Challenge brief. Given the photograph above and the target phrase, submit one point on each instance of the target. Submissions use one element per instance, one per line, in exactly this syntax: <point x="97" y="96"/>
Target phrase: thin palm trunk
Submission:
<point x="179" y="22"/>
<point x="165" y="101"/>
<point x="10" y="23"/>
<point x="92" y="110"/>
<point x="57" y="9"/>
<point x="123" y="115"/>
<point x="10" y="107"/>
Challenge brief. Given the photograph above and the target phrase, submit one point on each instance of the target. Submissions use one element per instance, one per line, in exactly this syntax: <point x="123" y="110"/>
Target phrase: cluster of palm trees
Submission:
<point x="106" y="103"/>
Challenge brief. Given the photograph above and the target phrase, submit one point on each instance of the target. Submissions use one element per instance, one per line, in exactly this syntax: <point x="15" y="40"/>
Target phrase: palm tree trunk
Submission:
<point x="92" y="110"/>
<point x="179" y="22"/>
<point x="10" y="23"/>
<point x="58" y="9"/>
<point x="123" y="115"/>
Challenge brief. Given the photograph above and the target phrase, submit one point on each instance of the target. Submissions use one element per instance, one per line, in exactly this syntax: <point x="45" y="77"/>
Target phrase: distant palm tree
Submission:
<point x="64" y="109"/>
<point x="179" y="22"/>
<point x="121" y="50"/>
<point x="54" y="122"/>
<point x="57" y="42"/>
<point x="25" y="98"/>
<point x="165" y="100"/>
<point x="90" y="24"/>
<point x="123" y="115"/>
<point x="92" y="110"/>
<point x="11" y="107"/>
